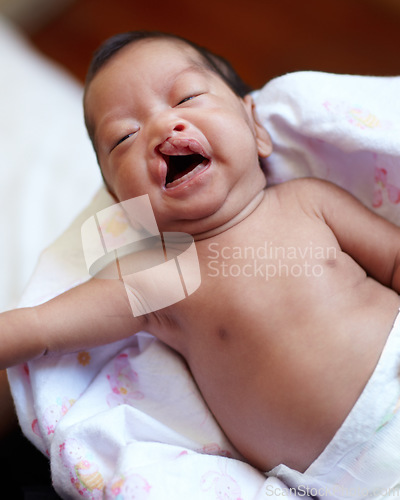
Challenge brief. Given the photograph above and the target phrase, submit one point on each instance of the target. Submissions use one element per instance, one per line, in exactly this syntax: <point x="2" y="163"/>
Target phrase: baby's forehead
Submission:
<point x="172" y="56"/>
<point x="181" y="53"/>
<point x="164" y="46"/>
<point x="175" y="57"/>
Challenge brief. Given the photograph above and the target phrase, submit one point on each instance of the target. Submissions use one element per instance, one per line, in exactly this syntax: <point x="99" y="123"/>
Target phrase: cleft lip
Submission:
<point x="180" y="146"/>
<point x="183" y="159"/>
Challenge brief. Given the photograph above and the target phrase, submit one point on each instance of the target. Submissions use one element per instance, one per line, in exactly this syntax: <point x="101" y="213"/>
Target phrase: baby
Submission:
<point x="282" y="361"/>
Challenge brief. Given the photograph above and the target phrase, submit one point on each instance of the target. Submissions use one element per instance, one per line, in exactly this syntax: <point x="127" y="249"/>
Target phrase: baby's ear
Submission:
<point x="264" y="143"/>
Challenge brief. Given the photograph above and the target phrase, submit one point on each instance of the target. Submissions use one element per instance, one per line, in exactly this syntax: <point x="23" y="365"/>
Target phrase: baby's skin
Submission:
<point x="299" y="285"/>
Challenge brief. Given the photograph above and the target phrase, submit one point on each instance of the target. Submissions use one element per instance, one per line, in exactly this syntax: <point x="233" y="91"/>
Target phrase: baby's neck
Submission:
<point x="245" y="212"/>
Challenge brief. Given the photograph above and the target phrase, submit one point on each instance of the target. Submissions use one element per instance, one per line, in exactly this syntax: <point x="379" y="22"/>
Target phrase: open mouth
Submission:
<point x="181" y="168"/>
<point x="184" y="159"/>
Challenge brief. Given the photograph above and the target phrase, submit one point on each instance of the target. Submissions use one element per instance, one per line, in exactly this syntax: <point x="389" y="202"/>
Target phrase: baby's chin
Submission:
<point x="212" y="216"/>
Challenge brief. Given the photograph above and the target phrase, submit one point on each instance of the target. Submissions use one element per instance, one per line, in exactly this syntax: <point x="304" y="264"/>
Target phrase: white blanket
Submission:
<point x="47" y="166"/>
<point x="126" y="420"/>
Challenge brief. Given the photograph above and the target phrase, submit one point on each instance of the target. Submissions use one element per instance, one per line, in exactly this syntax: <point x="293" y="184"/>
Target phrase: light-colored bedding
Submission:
<point x="47" y="166"/>
<point x="126" y="420"/>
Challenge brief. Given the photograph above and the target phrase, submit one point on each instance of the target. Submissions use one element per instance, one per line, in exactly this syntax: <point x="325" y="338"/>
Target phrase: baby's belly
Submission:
<point x="279" y="384"/>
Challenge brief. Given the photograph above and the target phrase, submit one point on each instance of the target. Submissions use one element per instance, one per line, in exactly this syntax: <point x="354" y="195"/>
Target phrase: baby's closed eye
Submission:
<point x="190" y="97"/>
<point x="124" y="138"/>
<point x="186" y="99"/>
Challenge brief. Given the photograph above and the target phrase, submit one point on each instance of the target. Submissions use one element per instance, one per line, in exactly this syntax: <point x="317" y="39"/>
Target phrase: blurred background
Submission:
<point x="262" y="38"/>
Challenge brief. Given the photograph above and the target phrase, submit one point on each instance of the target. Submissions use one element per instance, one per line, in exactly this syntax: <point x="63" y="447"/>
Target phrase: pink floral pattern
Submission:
<point x="383" y="185"/>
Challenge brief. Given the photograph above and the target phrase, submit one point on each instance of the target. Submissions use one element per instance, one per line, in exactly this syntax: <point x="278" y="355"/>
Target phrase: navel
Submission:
<point x="223" y="334"/>
<point x="331" y="262"/>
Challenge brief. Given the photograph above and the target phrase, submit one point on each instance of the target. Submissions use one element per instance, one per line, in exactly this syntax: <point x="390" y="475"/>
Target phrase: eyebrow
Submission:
<point x="194" y="67"/>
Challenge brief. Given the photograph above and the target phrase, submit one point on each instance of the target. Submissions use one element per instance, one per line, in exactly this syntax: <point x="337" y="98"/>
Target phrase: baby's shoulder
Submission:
<point x="306" y="186"/>
<point x="305" y="192"/>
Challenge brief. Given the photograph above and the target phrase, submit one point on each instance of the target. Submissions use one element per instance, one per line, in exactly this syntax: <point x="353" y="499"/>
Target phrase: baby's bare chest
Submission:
<point x="265" y="284"/>
<point x="258" y="284"/>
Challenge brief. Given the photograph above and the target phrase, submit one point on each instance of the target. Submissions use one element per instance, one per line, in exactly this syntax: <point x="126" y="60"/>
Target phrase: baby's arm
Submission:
<point x="369" y="239"/>
<point x="94" y="313"/>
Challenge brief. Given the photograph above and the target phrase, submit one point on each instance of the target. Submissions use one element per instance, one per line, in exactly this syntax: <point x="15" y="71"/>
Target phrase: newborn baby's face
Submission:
<point x="167" y="126"/>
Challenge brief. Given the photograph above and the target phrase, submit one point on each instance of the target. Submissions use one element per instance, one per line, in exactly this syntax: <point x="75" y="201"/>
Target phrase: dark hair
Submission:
<point x="214" y="62"/>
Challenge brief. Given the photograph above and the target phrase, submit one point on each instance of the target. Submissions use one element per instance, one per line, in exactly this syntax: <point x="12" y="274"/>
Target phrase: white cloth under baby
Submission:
<point x="128" y="416"/>
<point x="363" y="459"/>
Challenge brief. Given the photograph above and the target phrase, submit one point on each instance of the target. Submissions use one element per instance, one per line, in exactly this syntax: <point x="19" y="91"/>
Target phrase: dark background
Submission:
<point x="262" y="38"/>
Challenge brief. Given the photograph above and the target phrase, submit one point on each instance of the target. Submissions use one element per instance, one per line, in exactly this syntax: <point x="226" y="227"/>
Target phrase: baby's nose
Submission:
<point x="166" y="125"/>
